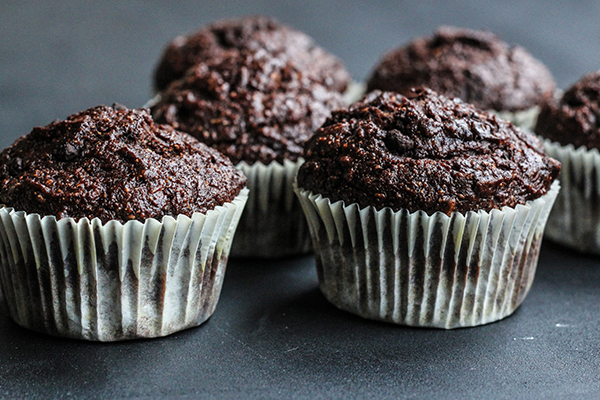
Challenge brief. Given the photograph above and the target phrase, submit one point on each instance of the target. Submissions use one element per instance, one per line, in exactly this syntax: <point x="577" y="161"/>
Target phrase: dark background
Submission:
<point x="273" y="334"/>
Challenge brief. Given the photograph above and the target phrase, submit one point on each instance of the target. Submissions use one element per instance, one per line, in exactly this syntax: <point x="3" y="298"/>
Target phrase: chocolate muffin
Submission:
<point x="476" y="66"/>
<point x="114" y="227"/>
<point x="113" y="163"/>
<point x="574" y="119"/>
<point x="571" y="131"/>
<point x="257" y="109"/>
<point x="425" y="211"/>
<point x="424" y="152"/>
<point x="251" y="107"/>
<point x="255" y="34"/>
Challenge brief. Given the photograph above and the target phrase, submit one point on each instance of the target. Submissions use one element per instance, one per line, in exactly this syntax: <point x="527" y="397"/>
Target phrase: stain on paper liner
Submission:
<point x="426" y="270"/>
<point x="114" y="281"/>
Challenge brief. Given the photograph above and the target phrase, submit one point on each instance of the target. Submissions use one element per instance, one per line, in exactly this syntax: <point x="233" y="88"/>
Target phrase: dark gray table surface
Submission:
<point x="273" y="334"/>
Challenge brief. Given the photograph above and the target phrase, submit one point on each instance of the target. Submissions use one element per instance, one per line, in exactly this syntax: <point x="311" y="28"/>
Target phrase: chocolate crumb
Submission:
<point x="251" y="107"/>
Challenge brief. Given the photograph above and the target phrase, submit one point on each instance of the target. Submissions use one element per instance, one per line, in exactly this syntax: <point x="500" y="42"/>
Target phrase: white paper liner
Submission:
<point x="355" y="91"/>
<point x="115" y="281"/>
<point x="575" y="219"/>
<point x="427" y="271"/>
<point x="273" y="224"/>
<point x="525" y="119"/>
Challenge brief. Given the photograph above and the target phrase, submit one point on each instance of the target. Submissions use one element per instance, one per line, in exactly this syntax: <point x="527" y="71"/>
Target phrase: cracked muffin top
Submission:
<point x="250" y="106"/>
<point x="114" y="164"/>
<point x="475" y="66"/>
<point x="255" y="34"/>
<point x="424" y="152"/>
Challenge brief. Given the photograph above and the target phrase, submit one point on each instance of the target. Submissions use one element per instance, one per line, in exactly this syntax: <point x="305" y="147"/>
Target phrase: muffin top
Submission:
<point x="114" y="164"/>
<point x="254" y="33"/>
<point x="249" y="106"/>
<point x="475" y="66"/>
<point x="424" y="152"/>
<point x="575" y="118"/>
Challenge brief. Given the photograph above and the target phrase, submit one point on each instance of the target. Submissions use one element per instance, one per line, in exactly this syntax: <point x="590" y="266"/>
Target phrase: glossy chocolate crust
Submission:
<point x="253" y="33"/>
<point x="114" y="164"/>
<point x="475" y="66"/>
<point x="251" y="107"/>
<point x="575" y="118"/>
<point x="424" y="153"/>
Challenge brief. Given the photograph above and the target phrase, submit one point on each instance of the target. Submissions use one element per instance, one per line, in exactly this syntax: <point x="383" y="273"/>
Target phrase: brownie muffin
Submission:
<point x="571" y="131"/>
<point x="257" y="109"/>
<point x="425" y="211"/>
<point x="115" y="227"/>
<point x="255" y="34"/>
<point x="425" y="153"/>
<point x="476" y="66"/>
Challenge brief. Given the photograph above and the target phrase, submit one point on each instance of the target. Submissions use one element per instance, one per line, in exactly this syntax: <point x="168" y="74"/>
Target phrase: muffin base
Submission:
<point x="427" y="271"/>
<point x="273" y="224"/>
<point x="114" y="281"/>
<point x="575" y="219"/>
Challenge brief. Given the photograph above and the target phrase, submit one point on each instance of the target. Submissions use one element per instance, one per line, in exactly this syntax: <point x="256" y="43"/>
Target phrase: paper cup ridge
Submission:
<point x="426" y="270"/>
<point x="115" y="281"/>
<point x="273" y="224"/>
<point x="575" y="219"/>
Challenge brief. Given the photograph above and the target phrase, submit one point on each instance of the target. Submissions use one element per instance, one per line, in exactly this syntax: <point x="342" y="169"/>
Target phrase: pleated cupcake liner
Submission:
<point x="575" y="219"/>
<point x="525" y="119"/>
<point x="427" y="271"/>
<point x="273" y="224"/>
<point x="114" y="281"/>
